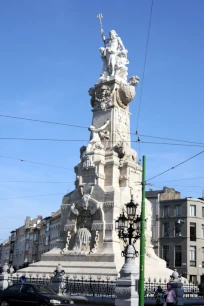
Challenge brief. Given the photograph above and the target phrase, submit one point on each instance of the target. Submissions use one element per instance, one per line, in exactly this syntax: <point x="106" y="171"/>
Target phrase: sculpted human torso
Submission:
<point x="112" y="45"/>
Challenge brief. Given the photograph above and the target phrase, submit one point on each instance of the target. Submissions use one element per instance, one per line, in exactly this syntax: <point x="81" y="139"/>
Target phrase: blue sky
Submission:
<point x="49" y="58"/>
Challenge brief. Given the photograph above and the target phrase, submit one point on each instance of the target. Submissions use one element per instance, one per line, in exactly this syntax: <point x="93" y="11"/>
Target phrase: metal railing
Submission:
<point x="190" y="290"/>
<point x="76" y="286"/>
<point x="106" y="288"/>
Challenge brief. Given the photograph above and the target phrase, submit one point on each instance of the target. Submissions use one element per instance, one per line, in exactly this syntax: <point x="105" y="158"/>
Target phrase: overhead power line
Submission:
<point x="170" y="144"/>
<point x="34" y="162"/>
<point x="86" y="127"/>
<point x="183" y="179"/>
<point x="43" y="121"/>
<point x="173" y="139"/>
<point x="145" y="60"/>
<point x="79" y="140"/>
<point x="83" y="140"/>
<point x="40" y="139"/>
<point x="36" y="182"/>
<point x="172" y="168"/>
<point x="32" y="196"/>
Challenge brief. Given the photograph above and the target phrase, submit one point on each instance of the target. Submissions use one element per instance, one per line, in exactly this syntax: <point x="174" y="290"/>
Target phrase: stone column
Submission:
<point x="127" y="284"/>
<point x="57" y="281"/>
<point x="4" y="277"/>
<point x="177" y="286"/>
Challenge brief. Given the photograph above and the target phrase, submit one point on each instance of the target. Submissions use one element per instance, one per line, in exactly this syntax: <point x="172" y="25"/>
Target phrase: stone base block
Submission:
<point x="127" y="302"/>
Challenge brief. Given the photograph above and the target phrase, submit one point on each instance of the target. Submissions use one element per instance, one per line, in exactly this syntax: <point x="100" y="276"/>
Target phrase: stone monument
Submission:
<point x="107" y="176"/>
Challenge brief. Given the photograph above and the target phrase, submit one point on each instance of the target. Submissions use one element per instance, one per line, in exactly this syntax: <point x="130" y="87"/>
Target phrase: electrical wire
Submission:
<point x="169" y="144"/>
<point x="173" y="139"/>
<point x="184" y="179"/>
<point x="32" y="196"/>
<point x="145" y="60"/>
<point x="36" y="182"/>
<point x="78" y="140"/>
<point x="84" y="127"/>
<point x="40" y="139"/>
<point x="34" y="162"/>
<point x="43" y="121"/>
<point x="172" y="168"/>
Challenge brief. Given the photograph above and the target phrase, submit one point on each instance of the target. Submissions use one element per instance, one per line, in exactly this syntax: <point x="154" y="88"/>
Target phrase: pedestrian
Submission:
<point x="159" y="296"/>
<point x="22" y="279"/>
<point x="170" y="296"/>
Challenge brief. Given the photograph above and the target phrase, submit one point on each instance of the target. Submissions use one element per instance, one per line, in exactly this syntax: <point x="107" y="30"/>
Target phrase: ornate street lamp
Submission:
<point x="131" y="209"/>
<point x="122" y="222"/>
<point x="128" y="226"/>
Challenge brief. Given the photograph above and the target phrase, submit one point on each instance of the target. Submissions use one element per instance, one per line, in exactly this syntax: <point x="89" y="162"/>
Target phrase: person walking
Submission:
<point x="159" y="296"/>
<point x="170" y="296"/>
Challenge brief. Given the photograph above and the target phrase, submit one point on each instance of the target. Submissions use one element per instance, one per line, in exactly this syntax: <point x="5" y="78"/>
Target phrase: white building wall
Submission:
<point x="54" y="231"/>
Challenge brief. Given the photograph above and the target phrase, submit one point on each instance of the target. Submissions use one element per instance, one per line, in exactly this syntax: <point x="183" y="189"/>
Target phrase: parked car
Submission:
<point x="32" y="294"/>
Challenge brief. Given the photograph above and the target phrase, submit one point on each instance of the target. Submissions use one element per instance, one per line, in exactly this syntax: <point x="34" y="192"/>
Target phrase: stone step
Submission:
<point x="79" y="270"/>
<point x="77" y="264"/>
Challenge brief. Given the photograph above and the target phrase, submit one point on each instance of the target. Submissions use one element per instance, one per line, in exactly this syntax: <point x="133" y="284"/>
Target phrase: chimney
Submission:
<point x="27" y="222"/>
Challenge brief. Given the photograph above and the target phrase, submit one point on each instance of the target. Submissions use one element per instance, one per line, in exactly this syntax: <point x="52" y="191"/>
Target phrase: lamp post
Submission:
<point x="128" y="226"/>
<point x="142" y="239"/>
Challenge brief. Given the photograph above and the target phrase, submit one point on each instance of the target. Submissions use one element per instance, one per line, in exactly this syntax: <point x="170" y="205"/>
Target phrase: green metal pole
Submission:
<point x="142" y="237"/>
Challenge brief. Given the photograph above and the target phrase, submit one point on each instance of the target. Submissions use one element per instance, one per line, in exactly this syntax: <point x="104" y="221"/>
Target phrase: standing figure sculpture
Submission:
<point x="113" y="47"/>
<point x="113" y="55"/>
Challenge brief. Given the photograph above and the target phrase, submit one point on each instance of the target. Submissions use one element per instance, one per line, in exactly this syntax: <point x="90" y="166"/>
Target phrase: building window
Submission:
<point x="166" y="211"/>
<point x="178" y="210"/>
<point x="178" y="256"/>
<point x="192" y="210"/>
<point x="193" y="279"/>
<point x="166" y="229"/>
<point x="46" y="240"/>
<point x="192" y="231"/>
<point x="47" y="228"/>
<point x="203" y="212"/>
<point x="13" y="236"/>
<point x="202" y="231"/>
<point x="202" y="257"/>
<point x="178" y="229"/>
<point x="192" y="256"/>
<point x="27" y="246"/>
<point x="27" y="235"/>
<point x="166" y="254"/>
<point x="35" y="237"/>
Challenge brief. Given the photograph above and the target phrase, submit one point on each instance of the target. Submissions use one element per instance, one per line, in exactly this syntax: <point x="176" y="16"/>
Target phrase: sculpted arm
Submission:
<point x="121" y="43"/>
<point x="102" y="127"/>
<point x="105" y="40"/>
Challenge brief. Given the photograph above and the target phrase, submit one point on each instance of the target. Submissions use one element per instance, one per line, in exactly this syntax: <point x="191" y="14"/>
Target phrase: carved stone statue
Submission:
<point x="114" y="57"/>
<point x="125" y="153"/>
<point x="86" y="160"/>
<point x="95" y="141"/>
<point x="82" y="241"/>
<point x="101" y="98"/>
